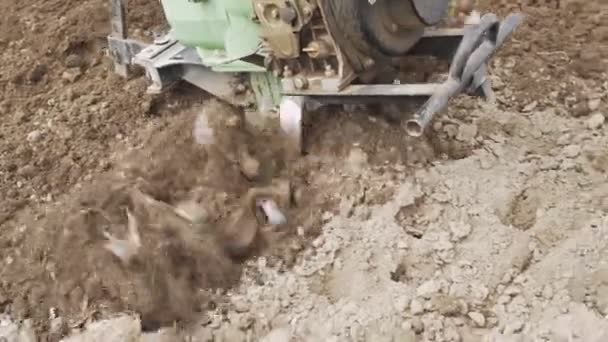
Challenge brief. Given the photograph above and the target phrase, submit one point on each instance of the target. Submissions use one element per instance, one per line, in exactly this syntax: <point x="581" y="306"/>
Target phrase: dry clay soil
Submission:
<point x="492" y="228"/>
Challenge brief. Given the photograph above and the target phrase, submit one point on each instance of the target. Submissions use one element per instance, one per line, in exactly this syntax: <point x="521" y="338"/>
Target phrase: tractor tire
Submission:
<point x="431" y="12"/>
<point x="342" y="20"/>
<point x="385" y="29"/>
<point x="392" y="26"/>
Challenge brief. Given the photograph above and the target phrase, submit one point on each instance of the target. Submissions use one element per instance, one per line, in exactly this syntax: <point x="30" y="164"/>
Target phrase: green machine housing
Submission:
<point x="278" y="55"/>
<point x="223" y="32"/>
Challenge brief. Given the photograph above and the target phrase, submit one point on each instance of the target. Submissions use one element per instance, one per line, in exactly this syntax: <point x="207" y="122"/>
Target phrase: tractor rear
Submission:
<point x="273" y="57"/>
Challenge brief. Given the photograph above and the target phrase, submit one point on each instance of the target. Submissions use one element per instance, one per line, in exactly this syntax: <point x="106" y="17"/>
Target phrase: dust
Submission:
<point x="181" y="196"/>
<point x="391" y="238"/>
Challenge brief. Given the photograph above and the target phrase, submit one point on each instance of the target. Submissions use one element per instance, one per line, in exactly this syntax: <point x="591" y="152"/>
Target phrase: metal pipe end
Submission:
<point x="414" y="128"/>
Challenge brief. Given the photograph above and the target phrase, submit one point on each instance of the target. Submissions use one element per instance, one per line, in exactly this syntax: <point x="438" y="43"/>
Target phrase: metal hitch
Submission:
<point x="468" y="70"/>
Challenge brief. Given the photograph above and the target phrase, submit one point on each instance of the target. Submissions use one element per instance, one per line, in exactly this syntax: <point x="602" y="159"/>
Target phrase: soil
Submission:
<point x="491" y="228"/>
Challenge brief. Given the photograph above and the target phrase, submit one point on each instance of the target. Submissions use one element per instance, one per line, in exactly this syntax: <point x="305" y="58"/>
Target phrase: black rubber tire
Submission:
<point x="376" y="21"/>
<point x="362" y="32"/>
<point x="431" y="11"/>
<point x="342" y="20"/>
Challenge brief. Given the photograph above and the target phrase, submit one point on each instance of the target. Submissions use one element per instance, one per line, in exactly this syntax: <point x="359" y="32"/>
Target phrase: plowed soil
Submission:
<point x="492" y="228"/>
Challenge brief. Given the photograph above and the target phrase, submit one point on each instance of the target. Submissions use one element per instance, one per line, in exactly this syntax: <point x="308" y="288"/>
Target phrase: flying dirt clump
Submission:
<point x="157" y="237"/>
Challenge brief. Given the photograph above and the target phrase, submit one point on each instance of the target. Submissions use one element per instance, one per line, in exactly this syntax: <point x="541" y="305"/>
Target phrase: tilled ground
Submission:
<point x="494" y="228"/>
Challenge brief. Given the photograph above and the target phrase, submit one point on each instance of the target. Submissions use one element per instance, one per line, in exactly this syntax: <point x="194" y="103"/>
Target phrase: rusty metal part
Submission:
<point x="320" y="48"/>
<point x="281" y="22"/>
<point x="276" y="30"/>
<point x="468" y="69"/>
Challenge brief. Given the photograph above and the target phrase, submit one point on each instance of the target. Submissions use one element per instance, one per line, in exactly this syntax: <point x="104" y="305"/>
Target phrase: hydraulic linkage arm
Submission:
<point x="468" y="68"/>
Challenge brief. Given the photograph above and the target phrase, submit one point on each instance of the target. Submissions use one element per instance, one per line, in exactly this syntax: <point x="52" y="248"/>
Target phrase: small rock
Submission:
<point x="459" y="321"/>
<point x="233" y="334"/>
<point x="504" y="299"/>
<point x="34" y="136"/>
<point x="27" y="333"/>
<point x="497" y="83"/>
<point x="594" y="104"/>
<point x="459" y="230"/>
<point x="480" y="292"/>
<point x="595" y="121"/>
<point x="240" y="305"/>
<point x="22" y="116"/>
<point x="549" y="164"/>
<point x="450" y="130"/>
<point x="401" y="244"/>
<point x="37" y="73"/>
<point x="400" y="304"/>
<point x="600" y="163"/>
<point x="28" y="171"/>
<point x="530" y="107"/>
<point x="250" y="166"/>
<point x="357" y="159"/>
<point x="487" y="162"/>
<point x="202" y="334"/>
<point x="71" y="75"/>
<point x="417" y="325"/>
<point x="448" y="306"/>
<point x="65" y="133"/>
<point x="428" y="288"/>
<point x="570" y="164"/>
<point x="318" y="242"/>
<point x="278" y="335"/>
<point x="437" y="126"/>
<point x="514" y="327"/>
<point x="547" y="292"/>
<point x="564" y="140"/>
<point x="451" y="334"/>
<point x="467" y="133"/>
<point x="572" y="151"/>
<point x="580" y="109"/>
<point x="58" y="326"/>
<point x="74" y="61"/>
<point x="148" y="108"/>
<point x="512" y="291"/>
<point x="416" y="307"/>
<point x="477" y="318"/>
<point x="327" y="215"/>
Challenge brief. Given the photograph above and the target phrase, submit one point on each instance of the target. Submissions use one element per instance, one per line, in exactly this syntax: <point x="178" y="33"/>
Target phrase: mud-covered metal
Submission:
<point x="118" y="32"/>
<point x="468" y="69"/>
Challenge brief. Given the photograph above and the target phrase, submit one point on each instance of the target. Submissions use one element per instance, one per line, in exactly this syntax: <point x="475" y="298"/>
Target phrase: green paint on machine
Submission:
<point x="222" y="31"/>
<point x="267" y="89"/>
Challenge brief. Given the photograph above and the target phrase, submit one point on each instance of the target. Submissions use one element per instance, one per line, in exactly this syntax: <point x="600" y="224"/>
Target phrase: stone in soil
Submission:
<point x="595" y="121"/>
<point x="478" y="318"/>
<point x="572" y="151"/>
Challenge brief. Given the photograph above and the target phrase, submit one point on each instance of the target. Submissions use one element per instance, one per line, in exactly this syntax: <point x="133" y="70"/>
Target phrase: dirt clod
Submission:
<point x="595" y="121"/>
<point x="492" y="227"/>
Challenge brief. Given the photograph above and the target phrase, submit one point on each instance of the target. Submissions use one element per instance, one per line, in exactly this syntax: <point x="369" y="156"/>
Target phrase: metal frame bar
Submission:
<point x="119" y="31"/>
<point x="167" y="61"/>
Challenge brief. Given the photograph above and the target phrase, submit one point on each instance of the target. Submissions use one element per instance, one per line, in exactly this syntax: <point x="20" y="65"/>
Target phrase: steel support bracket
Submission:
<point x="122" y="51"/>
<point x="119" y="31"/>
